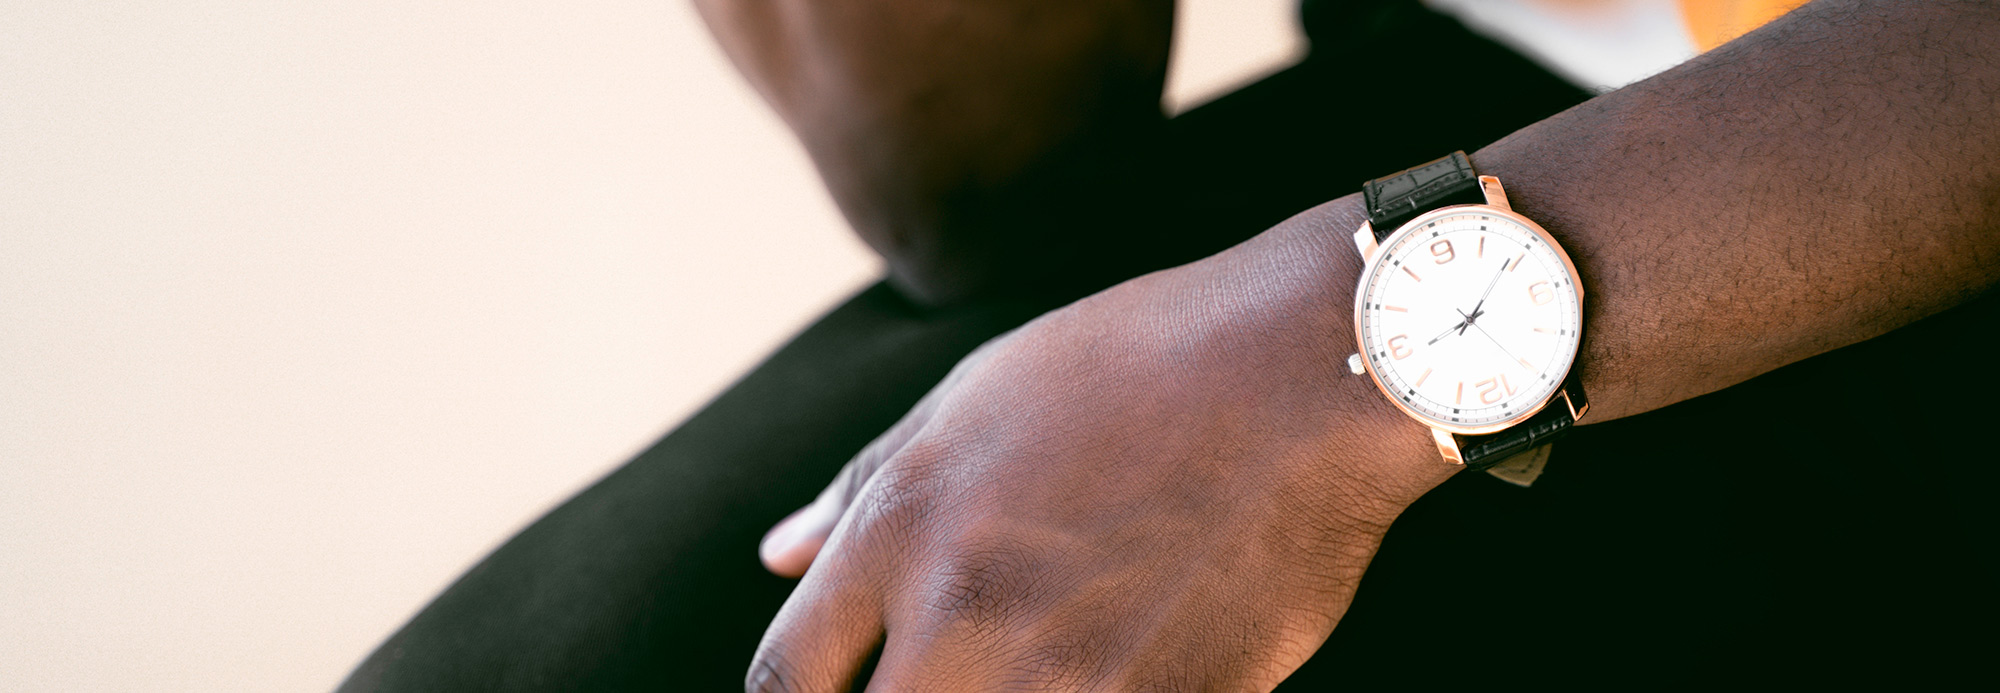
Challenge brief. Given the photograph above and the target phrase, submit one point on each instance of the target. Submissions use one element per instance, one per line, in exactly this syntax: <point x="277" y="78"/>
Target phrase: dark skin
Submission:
<point x="927" y="119"/>
<point x="1175" y="485"/>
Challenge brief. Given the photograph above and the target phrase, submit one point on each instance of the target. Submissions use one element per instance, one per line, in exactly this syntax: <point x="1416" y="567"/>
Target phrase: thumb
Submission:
<point x="789" y="548"/>
<point x="792" y="544"/>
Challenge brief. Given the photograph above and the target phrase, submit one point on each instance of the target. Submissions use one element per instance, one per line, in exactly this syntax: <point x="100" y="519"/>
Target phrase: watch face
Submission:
<point x="1469" y="318"/>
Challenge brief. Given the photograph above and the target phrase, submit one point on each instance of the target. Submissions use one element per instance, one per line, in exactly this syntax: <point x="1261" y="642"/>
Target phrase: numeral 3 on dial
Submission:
<point x="1396" y="349"/>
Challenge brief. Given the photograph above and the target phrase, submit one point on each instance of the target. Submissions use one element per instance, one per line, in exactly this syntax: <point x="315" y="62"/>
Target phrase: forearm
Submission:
<point x="1820" y="182"/>
<point x="1817" y="183"/>
<point x="1189" y="447"/>
<point x="923" y="115"/>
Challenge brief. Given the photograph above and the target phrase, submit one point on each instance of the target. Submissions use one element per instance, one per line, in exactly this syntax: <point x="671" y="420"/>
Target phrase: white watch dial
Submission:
<point x="1469" y="318"/>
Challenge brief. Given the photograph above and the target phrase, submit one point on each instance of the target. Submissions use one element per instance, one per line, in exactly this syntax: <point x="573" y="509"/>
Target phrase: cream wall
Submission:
<point x="305" y="306"/>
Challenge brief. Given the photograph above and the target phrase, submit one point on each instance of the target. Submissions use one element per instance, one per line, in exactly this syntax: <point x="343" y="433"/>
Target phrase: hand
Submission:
<point x="1459" y="328"/>
<point x="1487" y="292"/>
<point x="1172" y="484"/>
<point x="1474" y="315"/>
<point x="1503" y="349"/>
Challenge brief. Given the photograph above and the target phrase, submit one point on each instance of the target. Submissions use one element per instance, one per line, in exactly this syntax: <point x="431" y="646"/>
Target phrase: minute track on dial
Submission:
<point x="1423" y="382"/>
<point x="1423" y="204"/>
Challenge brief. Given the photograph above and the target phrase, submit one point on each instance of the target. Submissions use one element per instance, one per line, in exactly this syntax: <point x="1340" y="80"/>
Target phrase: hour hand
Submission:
<point x="1447" y="333"/>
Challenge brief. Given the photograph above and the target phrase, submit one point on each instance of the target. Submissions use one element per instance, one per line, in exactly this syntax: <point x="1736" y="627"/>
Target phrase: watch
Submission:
<point x="1469" y="317"/>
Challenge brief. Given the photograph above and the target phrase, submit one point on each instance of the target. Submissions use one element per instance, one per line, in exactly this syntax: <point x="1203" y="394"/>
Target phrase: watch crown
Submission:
<point x="1354" y="363"/>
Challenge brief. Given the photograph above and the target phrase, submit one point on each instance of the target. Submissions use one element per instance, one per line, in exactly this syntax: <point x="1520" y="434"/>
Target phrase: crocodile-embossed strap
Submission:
<point x="1401" y="196"/>
<point x="1395" y="198"/>
<point x="1480" y="452"/>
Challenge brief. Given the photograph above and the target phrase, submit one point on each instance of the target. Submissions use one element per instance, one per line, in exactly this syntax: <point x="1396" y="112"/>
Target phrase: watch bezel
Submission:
<point x="1373" y="263"/>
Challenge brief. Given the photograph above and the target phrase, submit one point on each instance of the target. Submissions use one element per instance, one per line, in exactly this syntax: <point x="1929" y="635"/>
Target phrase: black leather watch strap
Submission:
<point x="1480" y="452"/>
<point x="1397" y="197"/>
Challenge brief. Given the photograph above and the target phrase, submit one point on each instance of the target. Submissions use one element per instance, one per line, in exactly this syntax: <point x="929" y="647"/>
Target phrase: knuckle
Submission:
<point x="981" y="584"/>
<point x="859" y="471"/>
<point x="848" y="483"/>
<point x="768" y="675"/>
<point x="903" y="489"/>
<point x="898" y="501"/>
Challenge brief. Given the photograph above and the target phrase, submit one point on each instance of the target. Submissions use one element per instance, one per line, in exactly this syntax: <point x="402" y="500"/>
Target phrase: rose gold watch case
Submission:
<point x="1371" y="252"/>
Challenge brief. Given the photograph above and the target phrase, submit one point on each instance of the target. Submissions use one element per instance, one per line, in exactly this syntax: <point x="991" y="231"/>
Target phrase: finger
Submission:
<point x="789" y="548"/>
<point x="792" y="544"/>
<point x="821" y="638"/>
<point x="982" y="616"/>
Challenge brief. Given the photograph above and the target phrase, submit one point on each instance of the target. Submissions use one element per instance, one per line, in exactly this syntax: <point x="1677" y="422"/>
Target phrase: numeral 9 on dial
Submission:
<point x="1442" y="251"/>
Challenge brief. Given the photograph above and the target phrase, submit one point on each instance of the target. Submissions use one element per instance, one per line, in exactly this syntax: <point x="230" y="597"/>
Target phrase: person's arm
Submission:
<point x="1822" y="181"/>
<point x="926" y="116"/>
<point x="1176" y="484"/>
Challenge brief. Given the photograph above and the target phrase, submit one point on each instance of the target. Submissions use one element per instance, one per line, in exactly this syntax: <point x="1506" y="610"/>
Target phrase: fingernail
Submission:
<point x="782" y="535"/>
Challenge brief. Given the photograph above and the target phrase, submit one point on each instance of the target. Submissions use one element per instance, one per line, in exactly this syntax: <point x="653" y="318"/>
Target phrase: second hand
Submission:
<point x="1503" y="348"/>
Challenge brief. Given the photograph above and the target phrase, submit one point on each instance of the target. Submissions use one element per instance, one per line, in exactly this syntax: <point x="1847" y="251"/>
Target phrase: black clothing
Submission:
<point x="1809" y="524"/>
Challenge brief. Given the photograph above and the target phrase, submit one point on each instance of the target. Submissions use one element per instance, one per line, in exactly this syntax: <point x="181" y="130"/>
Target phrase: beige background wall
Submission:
<point x="304" y="306"/>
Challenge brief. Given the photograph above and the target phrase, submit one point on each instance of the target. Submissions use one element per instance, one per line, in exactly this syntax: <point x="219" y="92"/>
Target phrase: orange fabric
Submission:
<point x="1716" y="22"/>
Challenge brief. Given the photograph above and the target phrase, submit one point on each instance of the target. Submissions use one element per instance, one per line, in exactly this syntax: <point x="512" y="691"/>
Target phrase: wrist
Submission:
<point x="1300" y="277"/>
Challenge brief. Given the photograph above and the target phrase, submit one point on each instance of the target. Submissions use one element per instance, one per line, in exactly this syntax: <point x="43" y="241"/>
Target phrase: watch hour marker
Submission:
<point x="1421" y="378"/>
<point x="1460" y="399"/>
<point x="1413" y="275"/>
<point x="1517" y="262"/>
<point x="1494" y="389"/>
<point x="1544" y="330"/>
<point x="1482" y="246"/>
<point x="1442" y="250"/>
<point x="1543" y="296"/>
<point x="1401" y="309"/>
<point x="1525" y="364"/>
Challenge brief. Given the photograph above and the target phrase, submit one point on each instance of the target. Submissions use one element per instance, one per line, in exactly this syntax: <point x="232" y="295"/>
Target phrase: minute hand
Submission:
<point x="1489" y="287"/>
